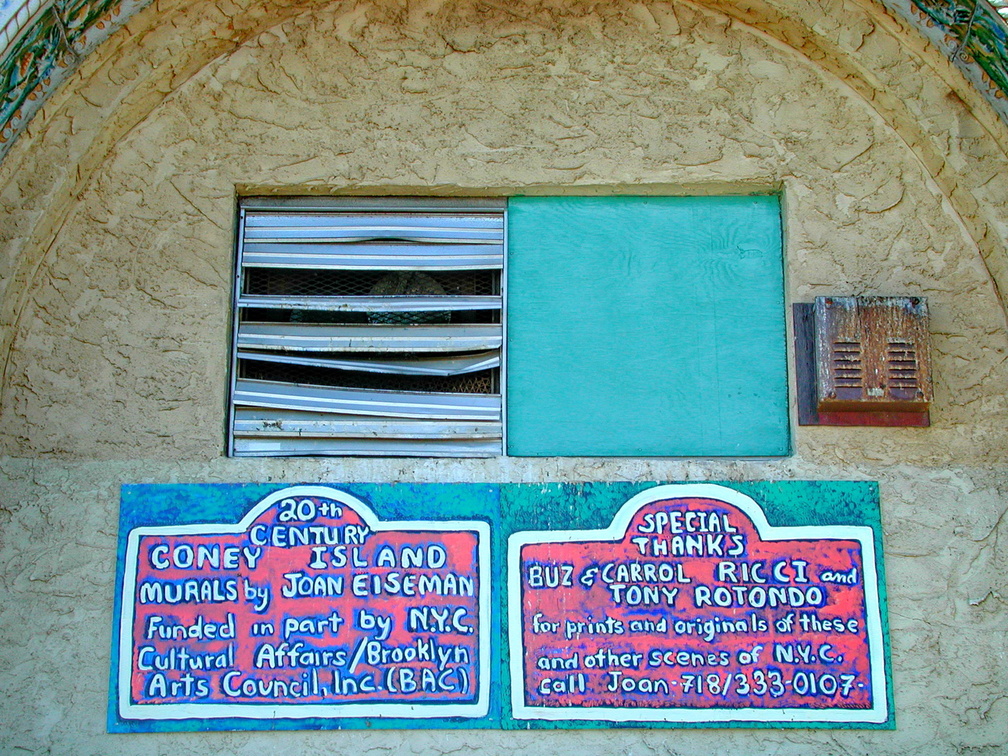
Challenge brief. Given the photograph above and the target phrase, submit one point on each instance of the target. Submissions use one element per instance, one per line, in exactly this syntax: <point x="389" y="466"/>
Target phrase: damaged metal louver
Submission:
<point x="368" y="327"/>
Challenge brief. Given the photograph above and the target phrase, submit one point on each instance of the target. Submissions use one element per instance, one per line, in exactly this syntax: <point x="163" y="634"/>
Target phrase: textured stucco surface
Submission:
<point x="116" y="250"/>
<point x="945" y="558"/>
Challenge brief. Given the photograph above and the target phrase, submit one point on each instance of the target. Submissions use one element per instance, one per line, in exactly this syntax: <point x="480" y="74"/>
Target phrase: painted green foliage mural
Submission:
<point x="48" y="48"/>
<point x="979" y="32"/>
<point x="31" y="60"/>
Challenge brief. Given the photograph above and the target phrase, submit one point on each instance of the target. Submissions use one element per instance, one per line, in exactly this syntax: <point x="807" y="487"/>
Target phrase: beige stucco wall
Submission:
<point x="116" y="252"/>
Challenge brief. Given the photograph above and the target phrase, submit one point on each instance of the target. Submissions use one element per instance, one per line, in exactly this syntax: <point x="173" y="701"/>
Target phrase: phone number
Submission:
<point x="771" y="682"/>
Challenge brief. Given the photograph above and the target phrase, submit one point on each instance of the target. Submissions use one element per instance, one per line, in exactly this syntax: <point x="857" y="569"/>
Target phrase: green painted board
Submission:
<point x="646" y="326"/>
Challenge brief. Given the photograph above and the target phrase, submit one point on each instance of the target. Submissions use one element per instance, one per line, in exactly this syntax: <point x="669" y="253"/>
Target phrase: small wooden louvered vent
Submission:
<point x="872" y="354"/>
<point x="846" y="365"/>
<point x="903" y="369"/>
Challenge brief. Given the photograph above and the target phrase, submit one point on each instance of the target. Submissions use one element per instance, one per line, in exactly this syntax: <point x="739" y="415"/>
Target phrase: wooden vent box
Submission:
<point x="871" y="361"/>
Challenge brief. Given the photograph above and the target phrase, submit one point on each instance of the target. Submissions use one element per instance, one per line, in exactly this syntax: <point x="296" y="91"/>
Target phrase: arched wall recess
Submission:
<point x="148" y="64"/>
<point x="42" y="42"/>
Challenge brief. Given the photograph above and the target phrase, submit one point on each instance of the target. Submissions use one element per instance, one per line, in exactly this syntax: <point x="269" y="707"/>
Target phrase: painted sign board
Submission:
<point x="259" y="606"/>
<point x="309" y="606"/>
<point x="691" y="607"/>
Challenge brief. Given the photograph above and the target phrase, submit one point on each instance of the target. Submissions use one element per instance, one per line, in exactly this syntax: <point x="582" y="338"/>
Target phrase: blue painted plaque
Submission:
<point x="499" y="605"/>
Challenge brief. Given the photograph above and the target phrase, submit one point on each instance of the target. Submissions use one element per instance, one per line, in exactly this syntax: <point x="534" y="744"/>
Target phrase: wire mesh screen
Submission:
<point x="482" y="382"/>
<point x="297" y="282"/>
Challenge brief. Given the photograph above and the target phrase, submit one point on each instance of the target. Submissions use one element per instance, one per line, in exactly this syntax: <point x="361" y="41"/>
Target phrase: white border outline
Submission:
<point x="266" y="712"/>
<point x="617" y="530"/>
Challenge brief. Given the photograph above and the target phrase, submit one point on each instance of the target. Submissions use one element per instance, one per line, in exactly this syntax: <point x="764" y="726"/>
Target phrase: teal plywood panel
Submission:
<point x="646" y="326"/>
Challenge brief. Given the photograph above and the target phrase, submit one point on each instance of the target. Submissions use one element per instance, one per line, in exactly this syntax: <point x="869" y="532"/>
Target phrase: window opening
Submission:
<point x="368" y="327"/>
